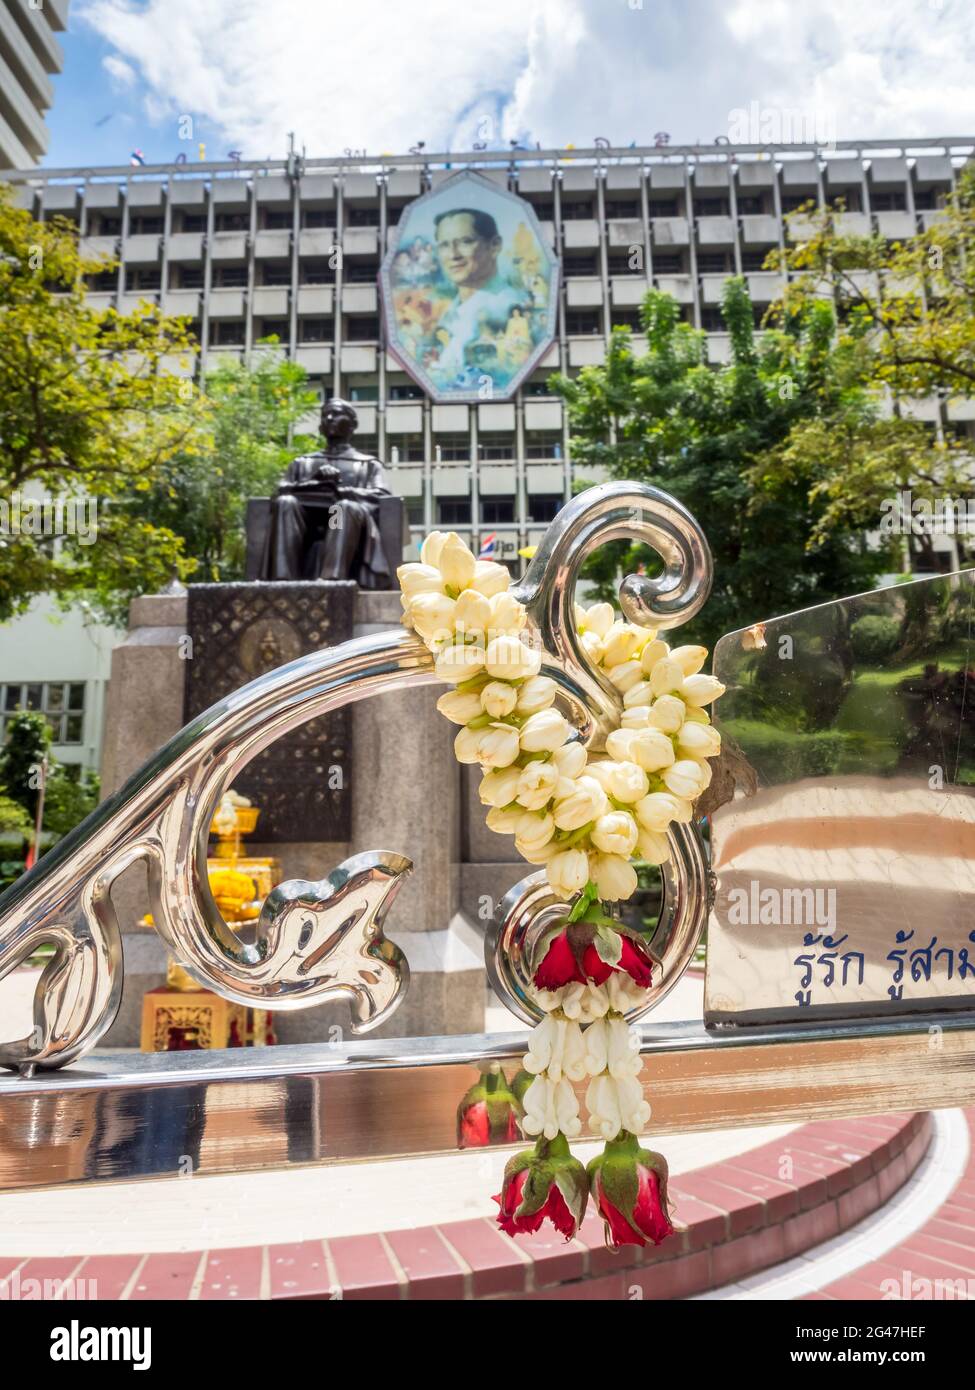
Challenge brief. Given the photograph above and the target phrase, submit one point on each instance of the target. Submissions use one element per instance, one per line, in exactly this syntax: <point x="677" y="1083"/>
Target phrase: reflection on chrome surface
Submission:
<point x="313" y="941"/>
<point x="846" y="861"/>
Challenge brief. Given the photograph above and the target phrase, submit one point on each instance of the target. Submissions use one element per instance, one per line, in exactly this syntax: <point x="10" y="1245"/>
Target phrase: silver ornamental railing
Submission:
<point x="124" y="1115"/>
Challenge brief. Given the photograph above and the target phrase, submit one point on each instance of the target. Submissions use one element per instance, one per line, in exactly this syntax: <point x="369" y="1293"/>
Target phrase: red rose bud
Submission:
<point x="597" y="971"/>
<point x="635" y="961"/>
<point x="545" y="1181"/>
<point x="629" y="1185"/>
<point x="488" y="1114"/>
<point x="559" y="966"/>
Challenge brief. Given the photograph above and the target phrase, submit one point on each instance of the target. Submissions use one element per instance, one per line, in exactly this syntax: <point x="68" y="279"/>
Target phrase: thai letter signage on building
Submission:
<point x="470" y="290"/>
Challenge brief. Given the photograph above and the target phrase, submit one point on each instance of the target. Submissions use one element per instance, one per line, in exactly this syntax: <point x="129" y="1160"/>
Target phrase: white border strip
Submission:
<point x="924" y="1193"/>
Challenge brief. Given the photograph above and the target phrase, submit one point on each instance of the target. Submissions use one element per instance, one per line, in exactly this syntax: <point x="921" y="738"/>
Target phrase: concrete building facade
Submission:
<point x="293" y="249"/>
<point x="29" y="54"/>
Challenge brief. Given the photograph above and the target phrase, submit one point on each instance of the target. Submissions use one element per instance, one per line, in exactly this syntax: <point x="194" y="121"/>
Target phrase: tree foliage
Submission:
<point x="87" y="411"/>
<point x="240" y="450"/>
<point x="701" y="433"/>
<point x="906" y="330"/>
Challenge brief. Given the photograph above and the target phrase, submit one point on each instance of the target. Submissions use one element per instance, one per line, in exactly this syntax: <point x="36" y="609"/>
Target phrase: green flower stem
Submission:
<point x="554" y="1148"/>
<point x="481" y="722"/>
<point x="566" y="840"/>
<point x="474" y="684"/>
<point x="588" y="895"/>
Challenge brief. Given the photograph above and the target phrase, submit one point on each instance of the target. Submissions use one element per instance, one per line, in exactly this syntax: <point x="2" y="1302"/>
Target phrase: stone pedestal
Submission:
<point x="406" y="795"/>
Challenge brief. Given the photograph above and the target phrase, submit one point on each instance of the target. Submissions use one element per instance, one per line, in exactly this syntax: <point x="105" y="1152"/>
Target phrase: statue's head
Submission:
<point x="339" y="419"/>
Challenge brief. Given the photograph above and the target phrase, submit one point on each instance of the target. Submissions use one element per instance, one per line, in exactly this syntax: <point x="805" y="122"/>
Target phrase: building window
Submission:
<point x="406" y="448"/>
<point x="714" y="263"/>
<point x="415" y="511"/>
<point x="145" y="226"/>
<point x="849" y="197"/>
<point x="580" y="265"/>
<point x="576" y="212"/>
<point x="361" y="272"/>
<point x="930" y="199"/>
<point x="580" y="321"/>
<point x="497" y="511"/>
<point x="192" y="222"/>
<point x="626" y="318"/>
<point x="405" y="391"/>
<point x="895" y="200"/>
<point x="230" y="277"/>
<point x="275" y="273"/>
<point x="668" y="264"/>
<point x="315" y="330"/>
<point x="190" y="277"/>
<point x="61" y="702"/>
<point x="106" y="282"/>
<point x="710" y="207"/>
<point x="362" y="217"/>
<point x="226" y="332"/>
<point x="791" y="202"/>
<point x="538" y="386"/>
<point x="543" y="444"/>
<point x="317" y="217"/>
<point x="231" y="222"/>
<point x="496" y="446"/>
<point x="362" y="330"/>
<point x="663" y="207"/>
<point x="452" y="448"/>
<point x="144" y="278"/>
<point x="316" y="273"/>
<point x="750" y="205"/>
<point x="105" y="224"/>
<point x="275" y="328"/>
<point x="753" y="260"/>
<point x="543" y="506"/>
<point x="625" y="208"/>
<point x="625" y="263"/>
<point x="364" y="393"/>
<point x="545" y="212"/>
<point x="711" y="319"/>
<point x="276" y="220"/>
<point x="453" y="511"/>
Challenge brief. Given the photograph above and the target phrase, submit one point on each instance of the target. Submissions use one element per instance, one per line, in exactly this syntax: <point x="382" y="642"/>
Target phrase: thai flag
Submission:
<point x="137" y="157"/>
<point x="489" y="546"/>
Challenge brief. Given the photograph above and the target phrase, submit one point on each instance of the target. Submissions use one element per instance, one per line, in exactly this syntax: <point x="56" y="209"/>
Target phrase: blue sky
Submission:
<point x="380" y="76"/>
<point x="85" y="93"/>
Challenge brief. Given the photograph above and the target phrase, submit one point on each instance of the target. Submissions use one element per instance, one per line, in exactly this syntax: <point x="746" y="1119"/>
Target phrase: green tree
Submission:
<point x="24" y="750"/>
<point x="668" y="418"/>
<point x="906" y="330"/>
<point x="68" y="798"/>
<point x="88" y="413"/>
<point x="241" y="450"/>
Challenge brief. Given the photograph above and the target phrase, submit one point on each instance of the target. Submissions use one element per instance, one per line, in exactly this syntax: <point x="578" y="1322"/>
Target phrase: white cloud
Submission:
<point x="379" y="76"/>
<point x="123" y="74"/>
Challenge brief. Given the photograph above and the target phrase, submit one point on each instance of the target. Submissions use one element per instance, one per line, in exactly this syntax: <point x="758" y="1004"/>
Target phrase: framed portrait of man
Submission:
<point x="470" y="290"/>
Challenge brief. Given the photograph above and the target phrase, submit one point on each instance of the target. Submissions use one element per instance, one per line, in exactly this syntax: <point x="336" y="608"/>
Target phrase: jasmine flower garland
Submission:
<point x="585" y="819"/>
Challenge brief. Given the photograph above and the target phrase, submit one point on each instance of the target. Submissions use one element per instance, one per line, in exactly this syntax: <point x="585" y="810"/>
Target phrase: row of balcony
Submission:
<point x="666" y="233"/>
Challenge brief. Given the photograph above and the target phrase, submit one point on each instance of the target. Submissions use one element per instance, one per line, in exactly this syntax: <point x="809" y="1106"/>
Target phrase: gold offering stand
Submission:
<point x="183" y="1016"/>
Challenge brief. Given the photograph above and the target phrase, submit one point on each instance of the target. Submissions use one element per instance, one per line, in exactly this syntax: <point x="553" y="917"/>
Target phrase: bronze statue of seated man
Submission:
<point x="324" y="518"/>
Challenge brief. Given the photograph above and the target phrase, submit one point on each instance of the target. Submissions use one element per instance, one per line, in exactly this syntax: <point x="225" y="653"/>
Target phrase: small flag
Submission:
<point x="137" y="157"/>
<point x="489" y="546"/>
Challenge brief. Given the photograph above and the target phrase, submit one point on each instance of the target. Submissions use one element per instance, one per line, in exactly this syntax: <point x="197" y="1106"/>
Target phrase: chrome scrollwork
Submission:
<point x="319" y="941"/>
